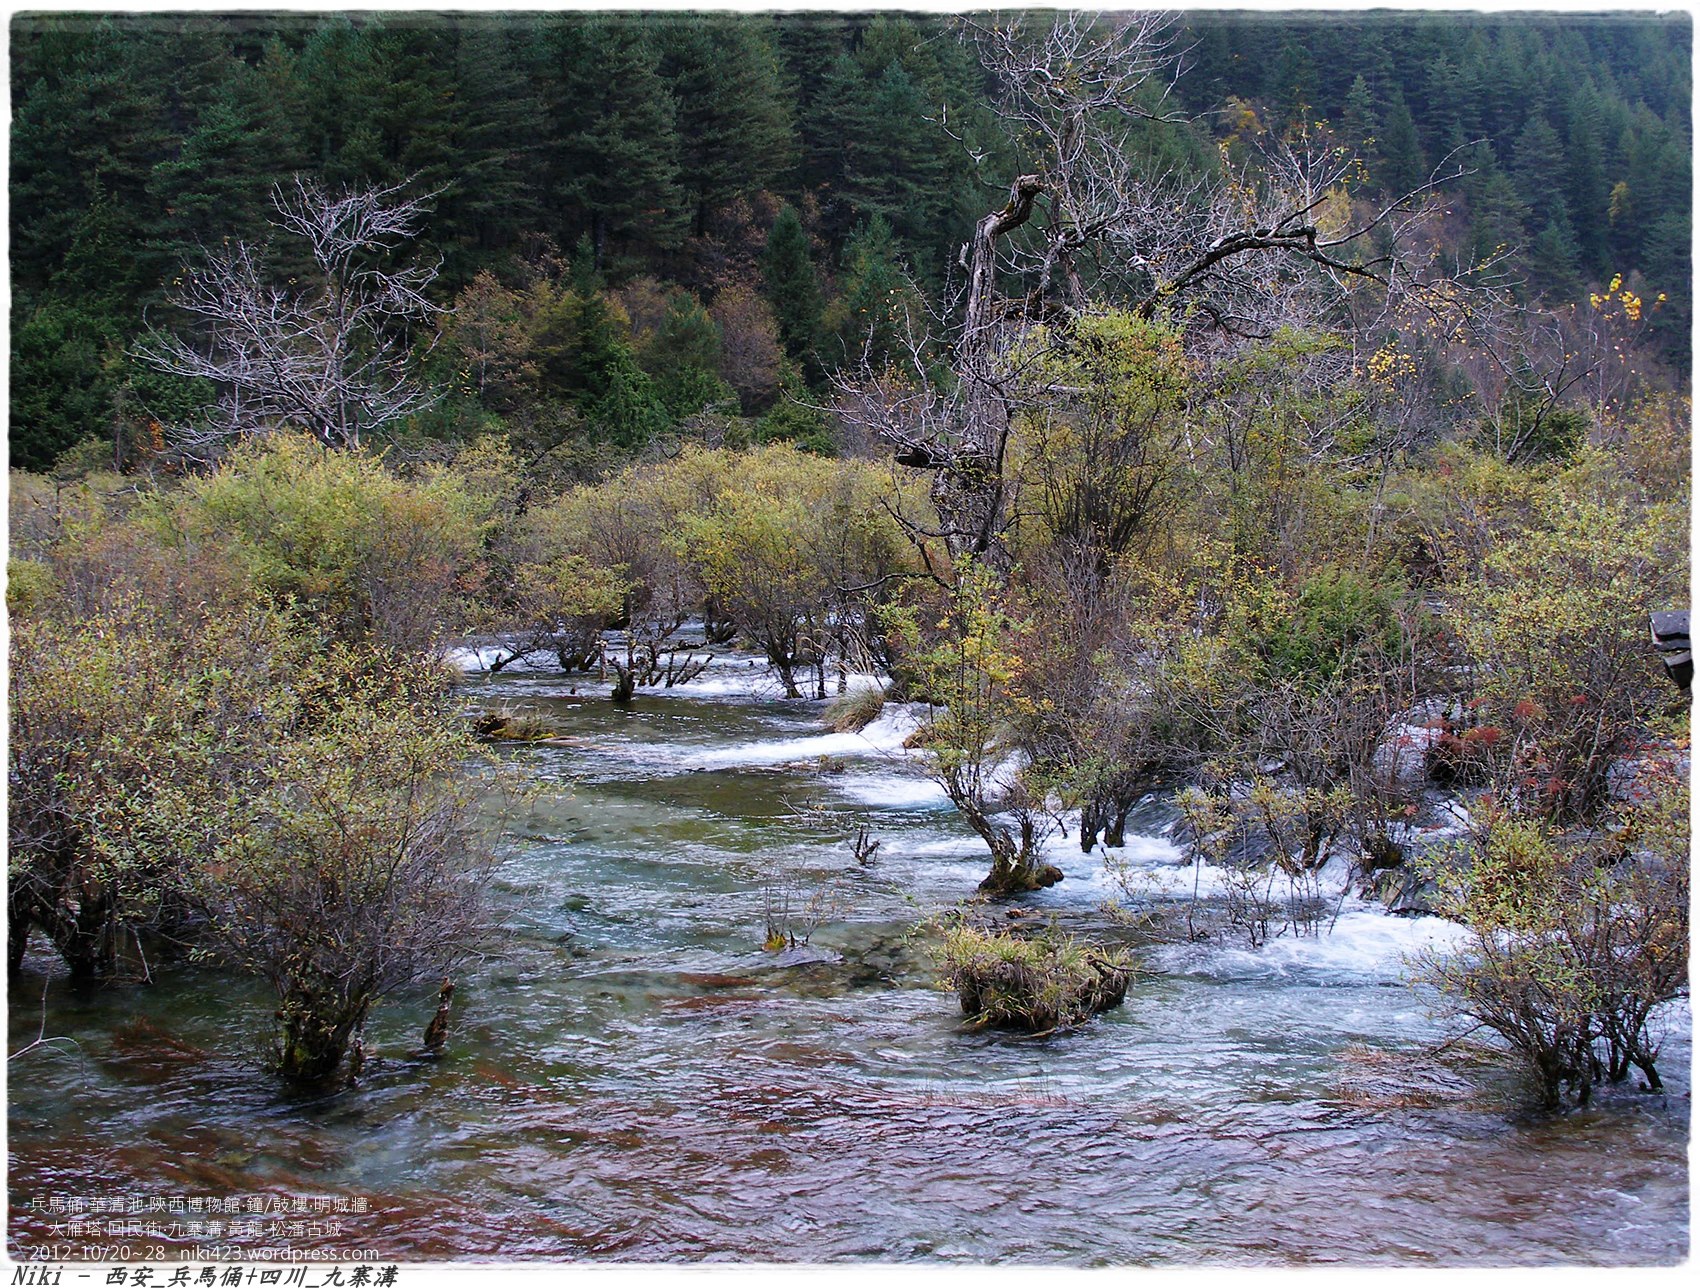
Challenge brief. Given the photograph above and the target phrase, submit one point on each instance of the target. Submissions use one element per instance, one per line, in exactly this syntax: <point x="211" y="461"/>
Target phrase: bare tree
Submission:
<point x="1232" y="255"/>
<point x="328" y="355"/>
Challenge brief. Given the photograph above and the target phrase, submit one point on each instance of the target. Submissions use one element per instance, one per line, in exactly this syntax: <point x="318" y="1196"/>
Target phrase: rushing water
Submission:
<point x="632" y="1077"/>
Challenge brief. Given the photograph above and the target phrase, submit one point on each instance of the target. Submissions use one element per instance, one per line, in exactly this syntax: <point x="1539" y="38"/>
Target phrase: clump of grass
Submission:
<point x="1036" y="984"/>
<point x="854" y="712"/>
<point x="509" y="724"/>
<point x="925" y="734"/>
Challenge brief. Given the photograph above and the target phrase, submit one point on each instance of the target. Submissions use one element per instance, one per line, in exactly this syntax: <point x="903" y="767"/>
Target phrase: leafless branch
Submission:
<point x="329" y="357"/>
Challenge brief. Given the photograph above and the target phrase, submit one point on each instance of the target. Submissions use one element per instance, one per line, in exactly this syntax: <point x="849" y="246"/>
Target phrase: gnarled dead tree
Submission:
<point x="328" y="355"/>
<point x="1227" y="255"/>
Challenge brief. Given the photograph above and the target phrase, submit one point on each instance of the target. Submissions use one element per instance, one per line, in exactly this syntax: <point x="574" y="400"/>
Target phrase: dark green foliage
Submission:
<point x="613" y="167"/>
<point x="792" y="288"/>
<point x="137" y="140"/>
<point x="794" y="419"/>
<point x="584" y="356"/>
<point x="1403" y="165"/>
<point x="683" y="356"/>
<point x="870" y="319"/>
<point x="1336" y="612"/>
<point x="61" y="381"/>
<point x="732" y="120"/>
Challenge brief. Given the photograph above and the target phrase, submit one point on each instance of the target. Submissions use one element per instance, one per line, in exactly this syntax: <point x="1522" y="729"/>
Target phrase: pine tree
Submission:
<point x="870" y="320"/>
<point x="683" y="358"/>
<point x="1402" y="165"/>
<point x="1359" y="125"/>
<point x="844" y="104"/>
<point x="895" y="170"/>
<point x="788" y="273"/>
<point x="613" y="154"/>
<point x="1537" y="167"/>
<point x="1555" y="259"/>
<point x="734" y="128"/>
<point x="493" y="201"/>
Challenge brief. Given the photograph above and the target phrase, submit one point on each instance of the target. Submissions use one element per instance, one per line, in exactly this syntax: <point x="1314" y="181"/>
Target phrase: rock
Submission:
<point x="1407" y="894"/>
<point x="1402" y="757"/>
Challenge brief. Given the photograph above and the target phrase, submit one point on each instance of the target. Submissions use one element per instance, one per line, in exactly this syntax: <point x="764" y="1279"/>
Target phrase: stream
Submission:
<point x="630" y="1076"/>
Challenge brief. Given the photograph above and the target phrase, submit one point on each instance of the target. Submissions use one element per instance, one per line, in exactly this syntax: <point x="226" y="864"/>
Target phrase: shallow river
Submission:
<point x="631" y="1076"/>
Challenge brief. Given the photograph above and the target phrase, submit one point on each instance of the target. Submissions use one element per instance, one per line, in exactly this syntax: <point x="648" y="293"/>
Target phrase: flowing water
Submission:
<point x="631" y="1076"/>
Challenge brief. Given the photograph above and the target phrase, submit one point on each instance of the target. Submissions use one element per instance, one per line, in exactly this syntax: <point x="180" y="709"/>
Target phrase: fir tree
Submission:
<point x="614" y="155"/>
<point x="788" y="273"/>
<point x="734" y="128"/>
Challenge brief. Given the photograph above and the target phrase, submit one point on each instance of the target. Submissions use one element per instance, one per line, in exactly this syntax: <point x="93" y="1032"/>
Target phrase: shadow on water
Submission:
<point x="631" y="1077"/>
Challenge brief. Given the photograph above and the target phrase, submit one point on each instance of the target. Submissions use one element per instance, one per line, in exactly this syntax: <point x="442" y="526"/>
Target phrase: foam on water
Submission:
<point x="884" y="737"/>
<point x="1364" y="943"/>
<point x="893" y="790"/>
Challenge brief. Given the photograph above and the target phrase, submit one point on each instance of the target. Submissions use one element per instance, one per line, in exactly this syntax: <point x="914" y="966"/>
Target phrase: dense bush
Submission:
<point x="229" y="785"/>
<point x="1573" y="943"/>
<point x="367" y="554"/>
<point x="1554" y="625"/>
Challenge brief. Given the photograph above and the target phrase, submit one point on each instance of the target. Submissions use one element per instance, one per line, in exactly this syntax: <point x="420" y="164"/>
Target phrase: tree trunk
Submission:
<point x="1115" y="831"/>
<point x="625" y="684"/>
<point x="1092" y="822"/>
<point x="1014" y="869"/>
<point x="316" y="1036"/>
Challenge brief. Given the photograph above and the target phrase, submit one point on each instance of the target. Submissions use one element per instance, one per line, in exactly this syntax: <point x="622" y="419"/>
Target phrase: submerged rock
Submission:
<point x="805" y="955"/>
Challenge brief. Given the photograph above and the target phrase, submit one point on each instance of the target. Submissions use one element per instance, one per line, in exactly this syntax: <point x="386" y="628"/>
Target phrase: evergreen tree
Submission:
<point x="1555" y="259"/>
<point x="788" y="273"/>
<point x="870" y="320"/>
<point x="584" y="358"/>
<point x="219" y="183"/>
<point x="1537" y="166"/>
<point x="734" y="128"/>
<point x="895" y="171"/>
<point x="493" y="202"/>
<point x="808" y="46"/>
<point x="1497" y="214"/>
<point x="682" y="356"/>
<point x="335" y="93"/>
<point x="61" y="381"/>
<point x="613" y="155"/>
<point x="1403" y="167"/>
<point x="1359" y="127"/>
<point x="844" y="101"/>
<point x="1293" y="84"/>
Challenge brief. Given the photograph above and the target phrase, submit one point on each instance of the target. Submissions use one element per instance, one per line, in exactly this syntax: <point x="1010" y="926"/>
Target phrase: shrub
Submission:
<point x="1039" y="985"/>
<point x="30" y="586"/>
<point x="367" y="554"/>
<point x="130" y="743"/>
<point x="229" y="782"/>
<point x="1572" y="943"/>
<point x="358" y="869"/>
<point x="1555" y="627"/>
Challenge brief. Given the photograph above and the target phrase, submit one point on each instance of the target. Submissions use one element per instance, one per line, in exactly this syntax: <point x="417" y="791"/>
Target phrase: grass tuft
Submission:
<point x="509" y="724"/>
<point x="854" y="712"/>
<point x="1036" y="984"/>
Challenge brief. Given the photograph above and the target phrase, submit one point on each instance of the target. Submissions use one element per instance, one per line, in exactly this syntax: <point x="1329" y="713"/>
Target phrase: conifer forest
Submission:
<point x="994" y="638"/>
